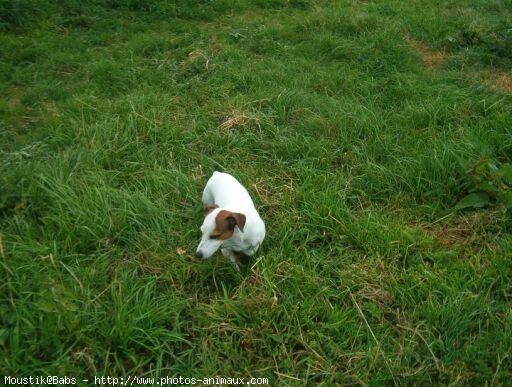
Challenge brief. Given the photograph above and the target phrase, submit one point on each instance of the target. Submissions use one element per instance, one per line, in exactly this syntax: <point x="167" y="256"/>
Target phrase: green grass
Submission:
<point x="114" y="114"/>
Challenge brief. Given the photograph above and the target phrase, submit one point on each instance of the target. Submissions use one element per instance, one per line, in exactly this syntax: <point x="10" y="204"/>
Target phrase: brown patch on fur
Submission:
<point x="225" y="223"/>
<point x="210" y="208"/>
<point x="431" y="59"/>
<point x="240" y="220"/>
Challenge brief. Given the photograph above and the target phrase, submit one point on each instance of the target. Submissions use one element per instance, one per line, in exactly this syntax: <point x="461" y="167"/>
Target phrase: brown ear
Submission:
<point x="238" y="219"/>
<point x="210" y="208"/>
<point x="225" y="222"/>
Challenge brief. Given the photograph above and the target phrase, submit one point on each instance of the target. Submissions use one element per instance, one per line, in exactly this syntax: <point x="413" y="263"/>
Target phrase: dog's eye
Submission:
<point x="213" y="236"/>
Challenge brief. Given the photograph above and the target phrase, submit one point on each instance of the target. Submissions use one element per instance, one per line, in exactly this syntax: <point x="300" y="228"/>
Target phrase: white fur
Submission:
<point x="226" y="192"/>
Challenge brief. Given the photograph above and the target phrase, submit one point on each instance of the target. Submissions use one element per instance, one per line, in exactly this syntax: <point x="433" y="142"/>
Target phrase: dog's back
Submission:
<point x="225" y="191"/>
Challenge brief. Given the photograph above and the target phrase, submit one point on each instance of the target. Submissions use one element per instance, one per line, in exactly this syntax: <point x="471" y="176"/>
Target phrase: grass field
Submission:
<point x="355" y="126"/>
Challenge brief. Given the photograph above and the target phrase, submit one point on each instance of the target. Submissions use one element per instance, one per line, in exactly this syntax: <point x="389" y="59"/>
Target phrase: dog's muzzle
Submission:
<point x="199" y="254"/>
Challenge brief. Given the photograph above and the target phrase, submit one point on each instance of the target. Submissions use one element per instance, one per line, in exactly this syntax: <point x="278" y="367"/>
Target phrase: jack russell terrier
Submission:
<point x="231" y="221"/>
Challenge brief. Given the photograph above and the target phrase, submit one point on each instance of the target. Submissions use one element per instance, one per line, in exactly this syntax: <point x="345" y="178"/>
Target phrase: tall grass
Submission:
<point x="354" y="148"/>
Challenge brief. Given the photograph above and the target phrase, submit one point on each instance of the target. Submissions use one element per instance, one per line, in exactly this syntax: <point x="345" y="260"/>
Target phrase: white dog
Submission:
<point x="231" y="221"/>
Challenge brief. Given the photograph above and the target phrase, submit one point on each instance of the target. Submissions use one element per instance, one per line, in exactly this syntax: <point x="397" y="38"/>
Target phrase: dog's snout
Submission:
<point x="199" y="254"/>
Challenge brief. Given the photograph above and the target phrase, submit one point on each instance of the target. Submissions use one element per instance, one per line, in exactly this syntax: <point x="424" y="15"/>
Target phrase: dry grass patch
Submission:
<point x="431" y="59"/>
<point x="198" y="174"/>
<point x="14" y="101"/>
<point x="371" y="279"/>
<point x="493" y="78"/>
<point x="274" y="190"/>
<point x="197" y="56"/>
<point x="239" y="119"/>
<point x="504" y="82"/>
<point x="471" y="232"/>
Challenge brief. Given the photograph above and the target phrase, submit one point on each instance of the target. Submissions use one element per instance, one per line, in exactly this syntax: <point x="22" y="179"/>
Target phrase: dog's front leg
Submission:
<point x="231" y="256"/>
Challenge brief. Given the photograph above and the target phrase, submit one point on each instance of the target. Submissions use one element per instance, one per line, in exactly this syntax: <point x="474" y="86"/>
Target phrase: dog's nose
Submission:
<point x="199" y="254"/>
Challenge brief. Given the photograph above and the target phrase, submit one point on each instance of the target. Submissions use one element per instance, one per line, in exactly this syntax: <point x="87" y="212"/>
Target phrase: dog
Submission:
<point x="231" y="221"/>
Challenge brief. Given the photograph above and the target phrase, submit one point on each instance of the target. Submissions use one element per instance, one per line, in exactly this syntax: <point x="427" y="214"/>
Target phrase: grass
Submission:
<point x="353" y="125"/>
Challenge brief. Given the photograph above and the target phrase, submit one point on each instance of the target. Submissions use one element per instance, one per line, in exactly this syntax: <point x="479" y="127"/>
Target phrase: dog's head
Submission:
<point x="218" y="226"/>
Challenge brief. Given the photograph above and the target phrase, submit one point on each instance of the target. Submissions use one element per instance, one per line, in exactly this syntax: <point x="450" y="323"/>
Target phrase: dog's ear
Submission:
<point x="210" y="208"/>
<point x="237" y="219"/>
